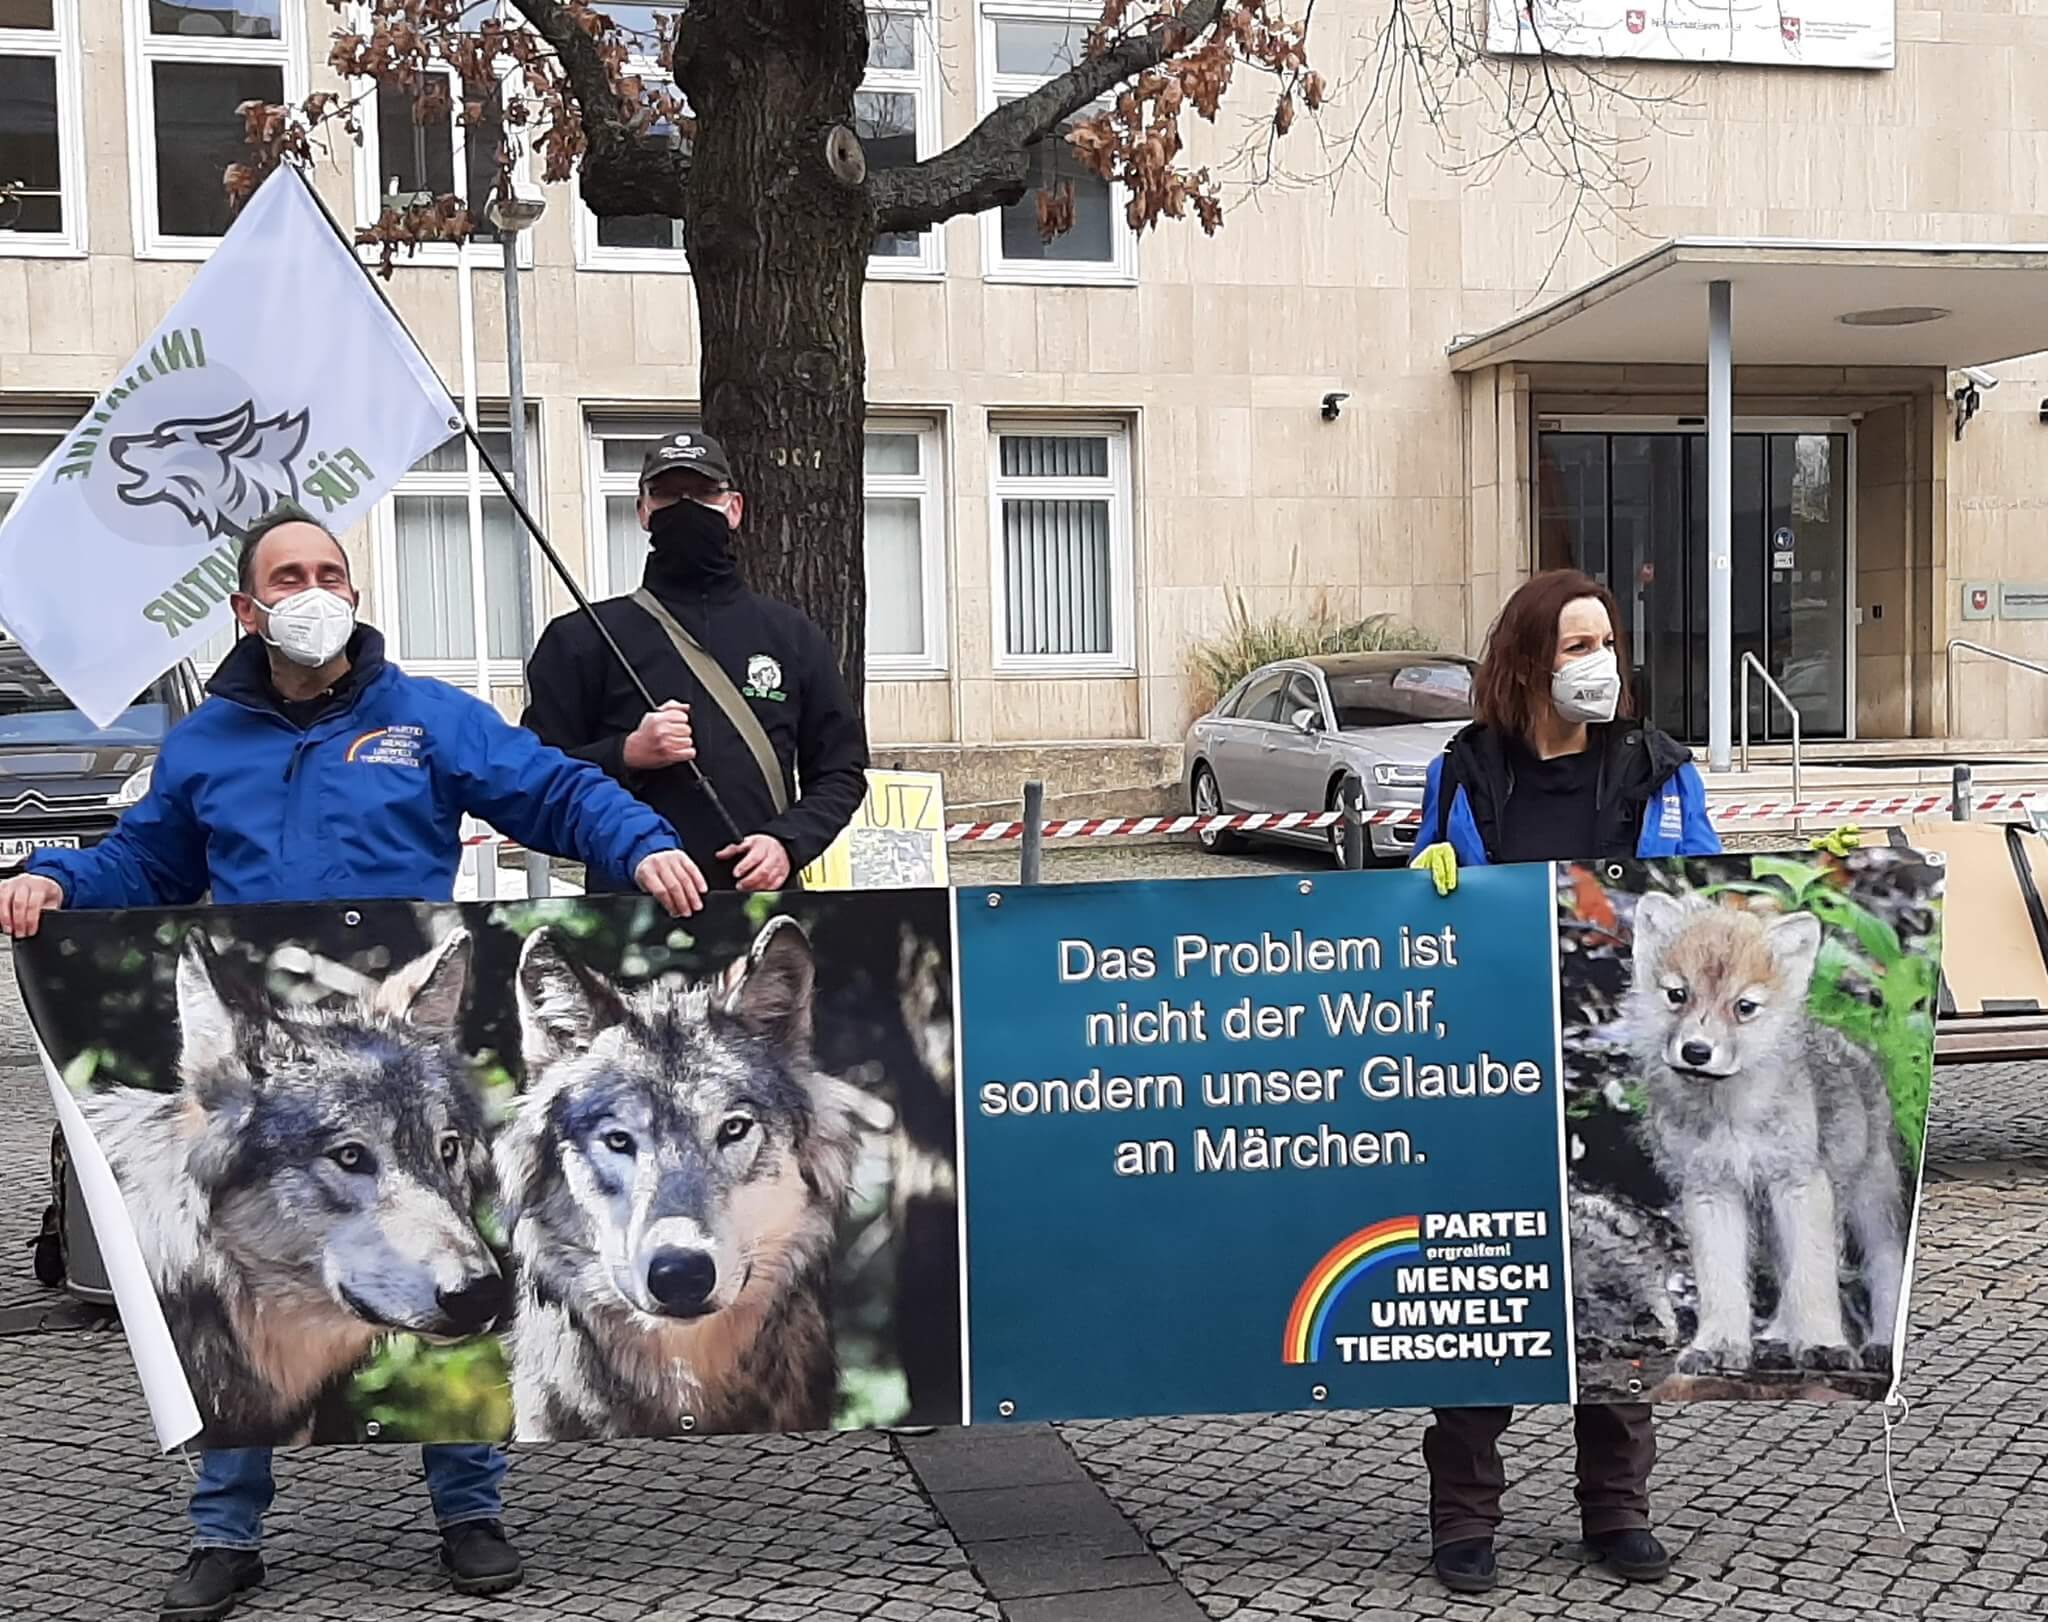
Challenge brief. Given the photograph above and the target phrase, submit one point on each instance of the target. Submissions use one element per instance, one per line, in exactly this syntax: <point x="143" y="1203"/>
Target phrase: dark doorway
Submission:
<point x="1631" y="509"/>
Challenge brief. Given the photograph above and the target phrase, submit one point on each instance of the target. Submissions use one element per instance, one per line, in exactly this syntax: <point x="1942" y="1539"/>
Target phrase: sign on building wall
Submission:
<point x="1794" y="33"/>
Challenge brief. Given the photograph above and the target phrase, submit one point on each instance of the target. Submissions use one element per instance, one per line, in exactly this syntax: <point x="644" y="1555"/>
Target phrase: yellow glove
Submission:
<point x="1440" y="862"/>
<point x="1840" y="842"/>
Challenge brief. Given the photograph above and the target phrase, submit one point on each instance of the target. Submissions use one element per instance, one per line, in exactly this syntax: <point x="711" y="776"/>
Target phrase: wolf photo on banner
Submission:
<point x="537" y="1170"/>
<point x="1749" y="1046"/>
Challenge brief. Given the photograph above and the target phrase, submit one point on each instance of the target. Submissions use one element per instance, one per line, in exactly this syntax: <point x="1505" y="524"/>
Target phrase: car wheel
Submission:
<point x="1346" y="792"/>
<point x="1208" y="799"/>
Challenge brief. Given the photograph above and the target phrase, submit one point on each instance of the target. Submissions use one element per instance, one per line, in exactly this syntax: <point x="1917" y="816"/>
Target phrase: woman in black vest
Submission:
<point x="1554" y="769"/>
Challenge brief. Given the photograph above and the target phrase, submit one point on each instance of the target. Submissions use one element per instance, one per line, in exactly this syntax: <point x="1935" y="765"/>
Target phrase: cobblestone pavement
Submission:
<point x="1776" y="1511"/>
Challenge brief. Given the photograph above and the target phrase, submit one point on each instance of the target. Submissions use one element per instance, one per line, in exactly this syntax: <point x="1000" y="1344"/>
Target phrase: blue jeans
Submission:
<point x="235" y="1488"/>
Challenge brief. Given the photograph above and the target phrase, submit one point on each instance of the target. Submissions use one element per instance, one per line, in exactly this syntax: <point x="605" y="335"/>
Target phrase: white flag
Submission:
<point x="281" y="375"/>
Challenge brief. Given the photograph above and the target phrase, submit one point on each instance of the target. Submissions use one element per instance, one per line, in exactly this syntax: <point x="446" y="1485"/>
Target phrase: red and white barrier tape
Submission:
<point x="1834" y="813"/>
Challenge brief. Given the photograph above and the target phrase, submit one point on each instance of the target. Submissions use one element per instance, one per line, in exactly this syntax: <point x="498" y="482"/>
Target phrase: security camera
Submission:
<point x="1980" y="379"/>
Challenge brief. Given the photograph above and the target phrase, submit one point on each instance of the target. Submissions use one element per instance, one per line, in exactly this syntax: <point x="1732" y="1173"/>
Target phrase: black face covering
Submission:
<point x="692" y="546"/>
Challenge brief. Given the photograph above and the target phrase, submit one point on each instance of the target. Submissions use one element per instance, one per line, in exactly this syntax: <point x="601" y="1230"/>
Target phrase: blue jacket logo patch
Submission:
<point x="388" y="746"/>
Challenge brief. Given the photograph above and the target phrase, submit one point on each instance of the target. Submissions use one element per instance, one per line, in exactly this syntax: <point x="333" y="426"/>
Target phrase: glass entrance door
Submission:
<point x="1630" y="509"/>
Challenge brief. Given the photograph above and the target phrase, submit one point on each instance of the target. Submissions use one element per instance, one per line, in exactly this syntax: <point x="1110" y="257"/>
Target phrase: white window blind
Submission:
<point x="1062" y="501"/>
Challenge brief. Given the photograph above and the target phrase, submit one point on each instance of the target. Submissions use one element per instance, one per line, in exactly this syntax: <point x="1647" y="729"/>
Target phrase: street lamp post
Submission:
<point x="514" y="213"/>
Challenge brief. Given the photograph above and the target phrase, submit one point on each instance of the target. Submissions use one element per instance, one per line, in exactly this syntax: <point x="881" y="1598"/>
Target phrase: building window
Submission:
<point x="906" y="551"/>
<point x="638" y="241"/>
<point x="1062" y="528"/>
<point x="450" y="150"/>
<point x="191" y="63"/>
<point x="1024" y="43"/>
<point x="618" y="445"/>
<point x="426" y="606"/>
<point x="42" y="133"/>
<point x="896" y="116"/>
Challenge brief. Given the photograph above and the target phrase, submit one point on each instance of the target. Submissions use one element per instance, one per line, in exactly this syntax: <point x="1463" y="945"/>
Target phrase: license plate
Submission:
<point x="16" y="847"/>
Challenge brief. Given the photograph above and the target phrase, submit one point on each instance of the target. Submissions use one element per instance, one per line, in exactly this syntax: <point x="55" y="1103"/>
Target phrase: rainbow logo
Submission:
<point x="368" y="737"/>
<point x="1383" y="1242"/>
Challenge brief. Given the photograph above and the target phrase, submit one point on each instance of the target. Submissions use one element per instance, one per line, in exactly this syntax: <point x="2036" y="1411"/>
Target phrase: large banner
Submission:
<point x="534" y="1169"/>
<point x="567" y="1169"/>
<point x="1792" y="33"/>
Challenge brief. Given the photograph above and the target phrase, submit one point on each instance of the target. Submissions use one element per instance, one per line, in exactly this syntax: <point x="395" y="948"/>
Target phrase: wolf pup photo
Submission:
<point x="1749" y="1053"/>
<point x="533" y="1169"/>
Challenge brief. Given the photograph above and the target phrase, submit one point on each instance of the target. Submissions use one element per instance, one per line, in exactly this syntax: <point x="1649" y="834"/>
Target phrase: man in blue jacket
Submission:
<point x="316" y="771"/>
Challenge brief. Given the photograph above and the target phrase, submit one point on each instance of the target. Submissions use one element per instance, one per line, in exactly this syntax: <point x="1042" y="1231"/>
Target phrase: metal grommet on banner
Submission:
<point x="373" y="1428"/>
<point x="995" y="901"/>
<point x="1308" y="887"/>
<point x="351" y="918"/>
<point x="1614" y="873"/>
<point x="1320" y="1393"/>
<point x="1007" y="1409"/>
<point x="689" y="1422"/>
<point x="1635" y="1388"/>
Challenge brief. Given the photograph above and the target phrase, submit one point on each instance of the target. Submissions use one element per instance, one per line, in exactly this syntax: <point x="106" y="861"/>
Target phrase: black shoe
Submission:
<point x="479" y="1558"/>
<point x="1466" y="1567"/>
<point x="209" y="1585"/>
<point x="1635" y="1555"/>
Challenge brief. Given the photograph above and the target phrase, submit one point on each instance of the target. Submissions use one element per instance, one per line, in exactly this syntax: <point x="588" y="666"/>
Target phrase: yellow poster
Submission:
<point x="896" y="840"/>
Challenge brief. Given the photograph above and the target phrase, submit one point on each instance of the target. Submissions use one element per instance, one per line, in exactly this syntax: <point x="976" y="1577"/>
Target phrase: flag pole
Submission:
<point x="526" y="518"/>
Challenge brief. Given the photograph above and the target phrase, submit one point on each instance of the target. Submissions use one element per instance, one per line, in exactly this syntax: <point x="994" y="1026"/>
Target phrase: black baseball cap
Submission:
<point x="693" y="452"/>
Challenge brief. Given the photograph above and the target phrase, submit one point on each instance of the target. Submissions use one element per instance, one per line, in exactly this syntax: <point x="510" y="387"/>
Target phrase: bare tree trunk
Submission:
<point x="778" y="229"/>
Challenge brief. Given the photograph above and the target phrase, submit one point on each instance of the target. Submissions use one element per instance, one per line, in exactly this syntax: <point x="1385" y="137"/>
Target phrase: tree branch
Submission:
<point x="990" y="167"/>
<point x="622" y="172"/>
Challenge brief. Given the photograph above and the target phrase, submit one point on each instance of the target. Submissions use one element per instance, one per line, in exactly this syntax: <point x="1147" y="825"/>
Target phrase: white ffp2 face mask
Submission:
<point x="1589" y="688"/>
<point x="310" y="627"/>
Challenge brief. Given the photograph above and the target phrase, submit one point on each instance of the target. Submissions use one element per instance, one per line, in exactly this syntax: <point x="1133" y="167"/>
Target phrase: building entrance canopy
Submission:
<point x="1778" y="304"/>
<point x="1795" y="304"/>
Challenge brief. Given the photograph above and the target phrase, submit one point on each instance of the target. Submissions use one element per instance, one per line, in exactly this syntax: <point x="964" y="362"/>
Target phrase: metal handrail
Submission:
<point x="1960" y="645"/>
<point x="1751" y="662"/>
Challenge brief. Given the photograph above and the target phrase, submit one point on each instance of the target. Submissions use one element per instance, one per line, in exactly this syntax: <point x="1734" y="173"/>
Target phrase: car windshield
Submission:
<point x="33" y="710"/>
<point x="1401" y="695"/>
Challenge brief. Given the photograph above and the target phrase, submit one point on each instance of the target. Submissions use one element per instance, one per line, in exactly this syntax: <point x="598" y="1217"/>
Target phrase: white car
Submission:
<point x="1314" y="734"/>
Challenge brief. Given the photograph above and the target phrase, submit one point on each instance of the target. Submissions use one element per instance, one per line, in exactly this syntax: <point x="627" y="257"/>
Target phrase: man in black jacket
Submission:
<point x="777" y="662"/>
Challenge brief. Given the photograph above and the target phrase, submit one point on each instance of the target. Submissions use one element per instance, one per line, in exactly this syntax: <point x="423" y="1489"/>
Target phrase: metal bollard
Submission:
<point x="1350" y="802"/>
<point x="539" y="877"/>
<point x="1029" y="860"/>
<point x="1960" y="798"/>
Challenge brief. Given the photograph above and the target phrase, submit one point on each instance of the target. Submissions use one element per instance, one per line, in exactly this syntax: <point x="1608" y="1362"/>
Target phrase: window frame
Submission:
<point x="992" y="89"/>
<point x="920" y="81"/>
<point x="60" y="45"/>
<point x="592" y="254"/>
<point x="459" y="670"/>
<point x="1118" y="486"/>
<point x="369" y="180"/>
<point x="144" y="52"/>
<point x="928" y="486"/>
